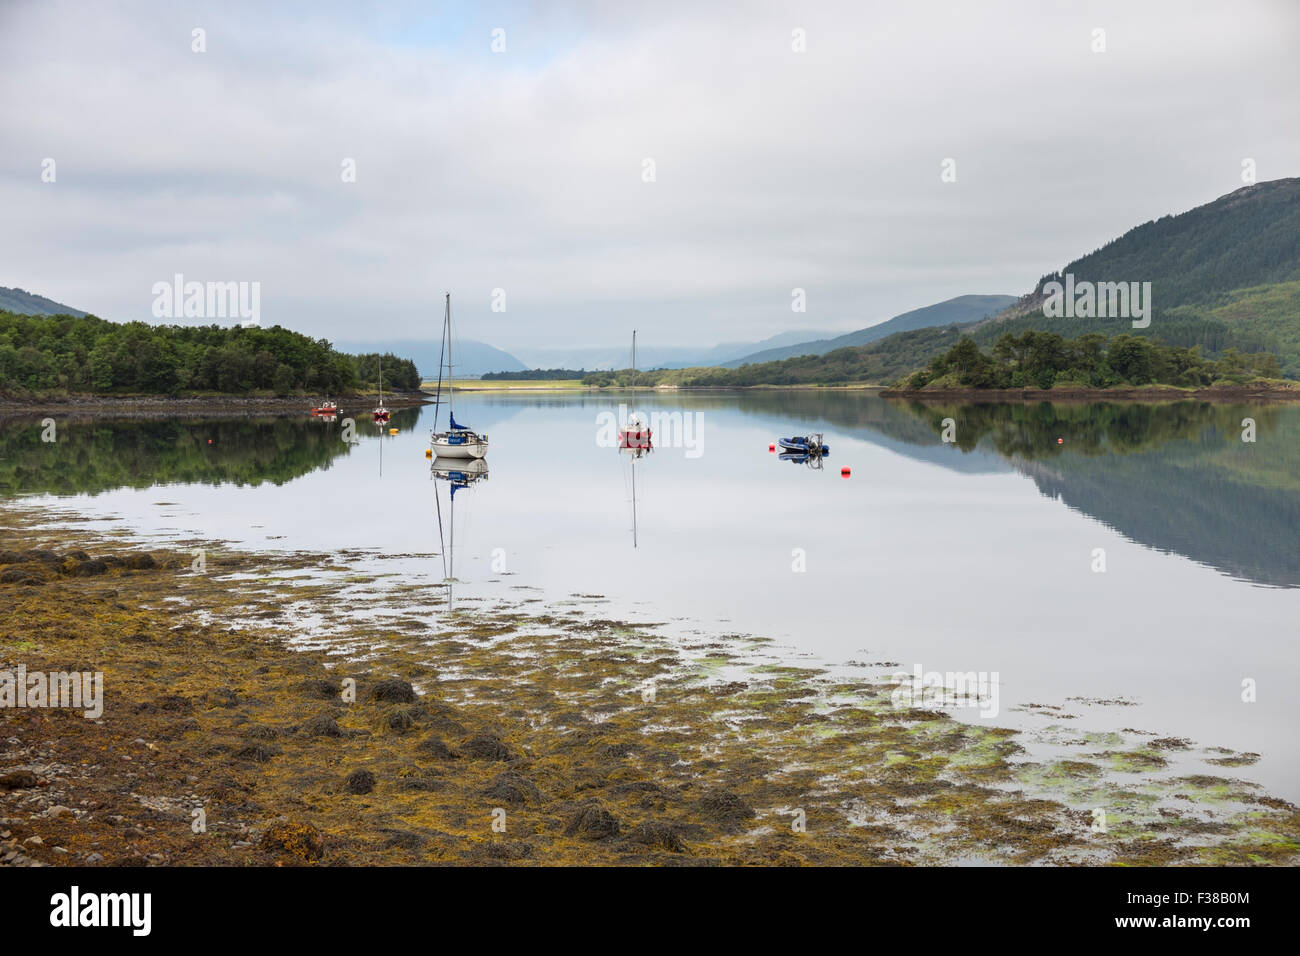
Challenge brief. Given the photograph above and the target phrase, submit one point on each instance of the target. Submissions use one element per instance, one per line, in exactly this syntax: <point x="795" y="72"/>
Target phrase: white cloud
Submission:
<point x="523" y="170"/>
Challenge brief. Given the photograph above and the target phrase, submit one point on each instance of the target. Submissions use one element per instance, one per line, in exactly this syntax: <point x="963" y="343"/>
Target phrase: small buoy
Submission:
<point x="844" y="472"/>
<point x="209" y="441"/>
<point x="428" y="453"/>
<point x="392" y="431"/>
<point x="771" y="447"/>
<point x="1060" y="441"/>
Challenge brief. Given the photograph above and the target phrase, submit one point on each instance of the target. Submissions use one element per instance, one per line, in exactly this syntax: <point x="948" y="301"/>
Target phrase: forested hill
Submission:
<point x="85" y="354"/>
<point x="1250" y="237"/>
<point x="28" y="303"/>
<point x="1224" y="275"/>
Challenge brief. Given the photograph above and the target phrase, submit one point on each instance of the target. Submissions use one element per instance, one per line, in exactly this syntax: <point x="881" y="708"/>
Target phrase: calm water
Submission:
<point x="975" y="555"/>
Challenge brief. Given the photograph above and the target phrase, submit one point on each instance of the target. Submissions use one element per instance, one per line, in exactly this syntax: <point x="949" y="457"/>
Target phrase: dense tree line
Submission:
<point x="1045" y="359"/>
<point x="91" y="355"/>
<point x="399" y="373"/>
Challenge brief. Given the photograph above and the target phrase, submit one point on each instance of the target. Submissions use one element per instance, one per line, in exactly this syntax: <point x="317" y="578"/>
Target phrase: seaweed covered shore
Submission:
<point x="252" y="716"/>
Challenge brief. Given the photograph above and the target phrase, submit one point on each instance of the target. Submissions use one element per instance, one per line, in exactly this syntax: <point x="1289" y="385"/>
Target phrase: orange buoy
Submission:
<point x="209" y="441"/>
<point x="844" y="472"/>
<point x="428" y="453"/>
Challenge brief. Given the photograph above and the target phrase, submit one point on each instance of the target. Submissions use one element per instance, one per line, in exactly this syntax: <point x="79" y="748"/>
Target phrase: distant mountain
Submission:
<point x="22" y="302"/>
<point x="472" y="358"/>
<point x="958" y="311"/>
<point x="650" y="355"/>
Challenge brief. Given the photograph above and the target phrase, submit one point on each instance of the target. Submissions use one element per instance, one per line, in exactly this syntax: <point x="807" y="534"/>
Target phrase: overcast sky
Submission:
<point x="524" y="170"/>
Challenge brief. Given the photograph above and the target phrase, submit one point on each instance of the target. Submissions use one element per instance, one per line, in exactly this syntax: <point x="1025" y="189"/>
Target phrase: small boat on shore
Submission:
<point x="325" y="409"/>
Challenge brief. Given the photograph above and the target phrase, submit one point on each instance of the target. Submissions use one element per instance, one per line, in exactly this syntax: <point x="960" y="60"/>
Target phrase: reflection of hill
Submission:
<point x="1175" y="478"/>
<point x="98" y="456"/>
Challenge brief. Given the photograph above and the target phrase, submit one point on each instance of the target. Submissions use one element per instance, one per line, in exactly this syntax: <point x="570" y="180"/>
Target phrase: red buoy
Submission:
<point x="209" y="441"/>
<point x="844" y="472"/>
<point x="771" y="447"/>
<point x="1060" y="441"/>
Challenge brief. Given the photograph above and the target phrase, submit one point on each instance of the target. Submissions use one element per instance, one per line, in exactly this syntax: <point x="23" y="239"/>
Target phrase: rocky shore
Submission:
<point x="250" y="719"/>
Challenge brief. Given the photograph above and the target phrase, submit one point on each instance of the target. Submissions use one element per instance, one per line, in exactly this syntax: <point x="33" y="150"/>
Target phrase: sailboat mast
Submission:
<point x="450" y="377"/>
<point x="634" y="355"/>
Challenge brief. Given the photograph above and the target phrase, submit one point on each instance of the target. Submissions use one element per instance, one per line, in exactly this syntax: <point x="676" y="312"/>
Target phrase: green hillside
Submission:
<point x="1250" y="237"/>
<point x="1225" y="275"/>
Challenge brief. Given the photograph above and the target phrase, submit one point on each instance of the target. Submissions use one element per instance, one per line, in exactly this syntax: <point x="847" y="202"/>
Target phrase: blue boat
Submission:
<point x="805" y="445"/>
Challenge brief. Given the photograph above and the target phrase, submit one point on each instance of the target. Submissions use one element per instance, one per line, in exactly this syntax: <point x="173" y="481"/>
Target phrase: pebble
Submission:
<point x="95" y="858"/>
<point x="58" y="810"/>
<point x="59" y="849"/>
<point x="35" y="841"/>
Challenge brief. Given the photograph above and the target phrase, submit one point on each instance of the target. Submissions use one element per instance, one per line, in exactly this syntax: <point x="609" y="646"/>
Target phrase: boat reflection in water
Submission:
<point x="807" y="450"/>
<point x="459" y="474"/>
<point x="634" y="442"/>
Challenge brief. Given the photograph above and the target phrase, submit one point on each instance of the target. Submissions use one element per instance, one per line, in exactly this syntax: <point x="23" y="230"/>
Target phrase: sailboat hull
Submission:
<point x="446" y="446"/>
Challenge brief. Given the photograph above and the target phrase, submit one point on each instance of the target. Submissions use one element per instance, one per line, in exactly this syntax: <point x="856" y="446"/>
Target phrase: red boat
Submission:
<point x="326" y="408"/>
<point x="634" y="435"/>
<point x="381" y="413"/>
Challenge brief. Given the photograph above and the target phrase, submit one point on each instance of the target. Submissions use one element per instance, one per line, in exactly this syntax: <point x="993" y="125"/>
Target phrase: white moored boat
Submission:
<point x="457" y="441"/>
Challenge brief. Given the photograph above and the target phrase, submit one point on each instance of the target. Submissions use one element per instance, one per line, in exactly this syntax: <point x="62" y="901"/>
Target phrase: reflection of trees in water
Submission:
<point x="1031" y="431"/>
<point x="1173" y="477"/>
<point x="97" y="456"/>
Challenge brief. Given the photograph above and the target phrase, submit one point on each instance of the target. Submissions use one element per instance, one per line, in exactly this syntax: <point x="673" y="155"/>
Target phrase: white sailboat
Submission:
<point x="459" y="473"/>
<point x="457" y="441"/>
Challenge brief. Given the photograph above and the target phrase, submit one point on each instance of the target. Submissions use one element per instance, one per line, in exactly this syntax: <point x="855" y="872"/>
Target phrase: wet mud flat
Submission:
<point x="305" y="709"/>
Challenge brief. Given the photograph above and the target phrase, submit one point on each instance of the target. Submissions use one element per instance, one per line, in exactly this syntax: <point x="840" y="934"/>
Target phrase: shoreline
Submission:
<point x="600" y="742"/>
<point x="1227" y="394"/>
<point x="163" y="406"/>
